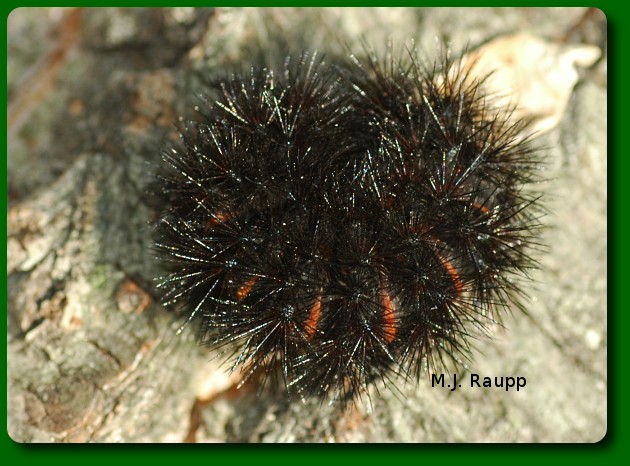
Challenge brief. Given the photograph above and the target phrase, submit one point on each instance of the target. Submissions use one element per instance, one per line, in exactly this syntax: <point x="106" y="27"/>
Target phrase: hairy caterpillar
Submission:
<point x="349" y="221"/>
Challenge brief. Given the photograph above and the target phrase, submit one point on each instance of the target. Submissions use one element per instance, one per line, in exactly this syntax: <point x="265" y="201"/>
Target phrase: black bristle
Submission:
<point x="347" y="223"/>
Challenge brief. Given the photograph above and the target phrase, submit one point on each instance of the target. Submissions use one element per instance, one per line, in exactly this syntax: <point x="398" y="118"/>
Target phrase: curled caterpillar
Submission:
<point x="348" y="222"/>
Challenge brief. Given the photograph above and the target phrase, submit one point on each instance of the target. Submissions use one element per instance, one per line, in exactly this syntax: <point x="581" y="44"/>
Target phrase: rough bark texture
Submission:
<point x="93" y="356"/>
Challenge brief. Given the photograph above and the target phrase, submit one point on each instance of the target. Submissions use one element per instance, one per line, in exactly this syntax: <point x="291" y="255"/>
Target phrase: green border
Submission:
<point x="614" y="445"/>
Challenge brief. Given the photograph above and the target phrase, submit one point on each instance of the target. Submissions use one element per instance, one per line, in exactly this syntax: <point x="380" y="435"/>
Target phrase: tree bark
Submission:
<point x="93" y="356"/>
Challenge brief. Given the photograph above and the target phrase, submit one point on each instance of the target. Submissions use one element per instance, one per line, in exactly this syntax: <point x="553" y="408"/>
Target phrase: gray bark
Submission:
<point x="92" y="354"/>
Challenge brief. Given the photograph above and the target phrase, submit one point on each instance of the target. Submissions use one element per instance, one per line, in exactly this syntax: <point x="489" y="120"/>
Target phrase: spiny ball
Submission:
<point x="345" y="223"/>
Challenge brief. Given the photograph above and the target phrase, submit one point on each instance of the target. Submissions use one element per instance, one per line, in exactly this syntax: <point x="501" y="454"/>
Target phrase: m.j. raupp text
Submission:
<point x="477" y="381"/>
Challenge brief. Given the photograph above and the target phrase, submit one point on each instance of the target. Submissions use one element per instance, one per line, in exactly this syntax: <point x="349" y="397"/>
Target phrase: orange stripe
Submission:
<point x="452" y="271"/>
<point x="389" y="318"/>
<point x="218" y="218"/>
<point x="482" y="208"/>
<point x="313" y="318"/>
<point x="245" y="289"/>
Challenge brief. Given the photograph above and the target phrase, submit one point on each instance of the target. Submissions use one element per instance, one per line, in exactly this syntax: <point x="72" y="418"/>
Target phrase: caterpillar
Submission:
<point x="338" y="224"/>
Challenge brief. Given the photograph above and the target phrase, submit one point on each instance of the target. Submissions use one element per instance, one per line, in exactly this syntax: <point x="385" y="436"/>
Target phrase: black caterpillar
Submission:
<point x="345" y="223"/>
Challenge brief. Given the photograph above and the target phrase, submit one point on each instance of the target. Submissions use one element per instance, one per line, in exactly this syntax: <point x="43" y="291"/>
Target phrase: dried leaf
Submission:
<point x="534" y="75"/>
